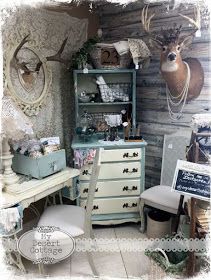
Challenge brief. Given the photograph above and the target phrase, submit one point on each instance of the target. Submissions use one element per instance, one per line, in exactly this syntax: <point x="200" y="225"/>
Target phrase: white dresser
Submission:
<point x="120" y="182"/>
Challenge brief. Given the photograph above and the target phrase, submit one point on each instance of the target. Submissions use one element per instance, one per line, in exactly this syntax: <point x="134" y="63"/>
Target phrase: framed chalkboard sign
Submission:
<point x="192" y="179"/>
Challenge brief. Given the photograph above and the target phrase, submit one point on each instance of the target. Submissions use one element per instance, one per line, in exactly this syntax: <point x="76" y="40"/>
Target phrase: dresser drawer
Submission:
<point x="121" y="155"/>
<point x="113" y="170"/>
<point x="115" y="205"/>
<point x="112" y="188"/>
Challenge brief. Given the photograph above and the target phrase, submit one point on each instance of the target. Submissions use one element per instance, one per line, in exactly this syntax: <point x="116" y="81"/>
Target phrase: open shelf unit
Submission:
<point x="86" y="82"/>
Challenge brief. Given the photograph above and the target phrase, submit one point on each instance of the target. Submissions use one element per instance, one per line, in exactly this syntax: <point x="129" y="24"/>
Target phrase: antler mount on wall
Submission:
<point x="28" y="76"/>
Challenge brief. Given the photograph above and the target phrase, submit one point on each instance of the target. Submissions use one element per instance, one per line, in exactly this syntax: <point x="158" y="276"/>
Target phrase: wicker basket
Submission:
<point x="95" y="54"/>
<point x="172" y="261"/>
<point x="158" y="224"/>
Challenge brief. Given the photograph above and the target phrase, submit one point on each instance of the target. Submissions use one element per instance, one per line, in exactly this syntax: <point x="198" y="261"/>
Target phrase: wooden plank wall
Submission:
<point x="118" y="23"/>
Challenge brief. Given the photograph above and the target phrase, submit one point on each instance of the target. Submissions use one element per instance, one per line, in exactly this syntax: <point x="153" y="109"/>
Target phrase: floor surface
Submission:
<point x="109" y="264"/>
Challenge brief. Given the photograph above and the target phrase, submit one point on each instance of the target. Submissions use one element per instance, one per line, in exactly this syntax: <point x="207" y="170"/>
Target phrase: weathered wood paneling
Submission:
<point x="152" y="112"/>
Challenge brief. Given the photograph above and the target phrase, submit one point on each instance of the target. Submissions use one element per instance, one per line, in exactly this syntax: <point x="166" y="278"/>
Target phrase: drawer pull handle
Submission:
<point x="126" y="205"/>
<point x="126" y="170"/>
<point x="86" y="190"/>
<point x="126" y="155"/>
<point x="86" y="172"/>
<point x="95" y="207"/>
<point x="126" y="188"/>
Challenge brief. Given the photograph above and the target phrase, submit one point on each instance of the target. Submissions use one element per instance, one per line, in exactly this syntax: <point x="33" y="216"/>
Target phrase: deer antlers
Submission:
<point x="172" y="33"/>
<point x="146" y="21"/>
<point x="23" y="65"/>
<point x="57" y="57"/>
<point x="195" y="22"/>
<point x="15" y="62"/>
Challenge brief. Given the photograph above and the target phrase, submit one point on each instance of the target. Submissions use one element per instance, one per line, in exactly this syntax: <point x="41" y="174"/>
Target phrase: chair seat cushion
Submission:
<point x="162" y="195"/>
<point x="68" y="218"/>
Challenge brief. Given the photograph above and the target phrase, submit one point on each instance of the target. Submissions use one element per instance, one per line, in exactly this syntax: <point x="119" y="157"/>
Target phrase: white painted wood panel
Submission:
<point x="118" y="170"/>
<point x="113" y="188"/>
<point x="115" y="205"/>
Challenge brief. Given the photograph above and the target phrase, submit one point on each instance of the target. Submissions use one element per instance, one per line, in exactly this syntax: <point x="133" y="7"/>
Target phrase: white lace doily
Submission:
<point x="15" y="125"/>
<point x="113" y="120"/>
<point x="201" y="120"/>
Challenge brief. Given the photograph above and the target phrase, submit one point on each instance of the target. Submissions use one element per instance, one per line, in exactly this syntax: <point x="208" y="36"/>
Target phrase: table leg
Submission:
<point x="191" y="258"/>
<point x="141" y="209"/>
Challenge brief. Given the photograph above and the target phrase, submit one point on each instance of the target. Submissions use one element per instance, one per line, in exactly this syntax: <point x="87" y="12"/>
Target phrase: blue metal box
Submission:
<point x="39" y="167"/>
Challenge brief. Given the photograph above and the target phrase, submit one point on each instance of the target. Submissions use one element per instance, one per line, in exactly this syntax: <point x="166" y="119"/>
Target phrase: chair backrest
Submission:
<point x="174" y="148"/>
<point x="92" y="186"/>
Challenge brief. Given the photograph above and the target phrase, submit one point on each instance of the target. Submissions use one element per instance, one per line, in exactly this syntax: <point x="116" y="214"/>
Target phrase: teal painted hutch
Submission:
<point x="122" y="173"/>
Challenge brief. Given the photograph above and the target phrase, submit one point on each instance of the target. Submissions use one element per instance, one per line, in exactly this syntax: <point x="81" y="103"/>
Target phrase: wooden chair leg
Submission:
<point x="141" y="209"/>
<point x="41" y="269"/>
<point x="71" y="264"/>
<point x="92" y="234"/>
<point x="91" y="263"/>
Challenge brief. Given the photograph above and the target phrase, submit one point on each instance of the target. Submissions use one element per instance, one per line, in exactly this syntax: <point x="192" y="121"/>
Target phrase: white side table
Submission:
<point x="32" y="191"/>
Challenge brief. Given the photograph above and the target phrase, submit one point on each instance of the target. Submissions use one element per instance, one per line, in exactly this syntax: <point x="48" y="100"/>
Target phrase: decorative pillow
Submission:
<point x="139" y="50"/>
<point x="122" y="47"/>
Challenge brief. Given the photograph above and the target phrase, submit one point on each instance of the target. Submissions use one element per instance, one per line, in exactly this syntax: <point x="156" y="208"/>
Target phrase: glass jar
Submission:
<point x="85" y="121"/>
<point x="85" y="127"/>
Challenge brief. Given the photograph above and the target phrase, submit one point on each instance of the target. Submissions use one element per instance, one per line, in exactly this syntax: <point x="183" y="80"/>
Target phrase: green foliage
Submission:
<point x="81" y="56"/>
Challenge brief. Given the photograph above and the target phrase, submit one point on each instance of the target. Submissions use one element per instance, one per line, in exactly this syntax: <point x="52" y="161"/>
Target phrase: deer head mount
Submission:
<point x="28" y="72"/>
<point x="184" y="78"/>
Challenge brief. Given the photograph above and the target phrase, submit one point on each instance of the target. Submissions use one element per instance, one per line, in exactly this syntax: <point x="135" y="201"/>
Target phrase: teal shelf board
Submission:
<point x="102" y="103"/>
<point x="94" y="143"/>
<point x="104" y="71"/>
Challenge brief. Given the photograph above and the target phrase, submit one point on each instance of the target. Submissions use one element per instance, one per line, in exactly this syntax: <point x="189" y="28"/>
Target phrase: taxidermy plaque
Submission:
<point x="28" y="82"/>
<point x="28" y="77"/>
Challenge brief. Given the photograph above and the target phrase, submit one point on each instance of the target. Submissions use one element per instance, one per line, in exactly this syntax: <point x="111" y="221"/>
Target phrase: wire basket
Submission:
<point x="115" y="92"/>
